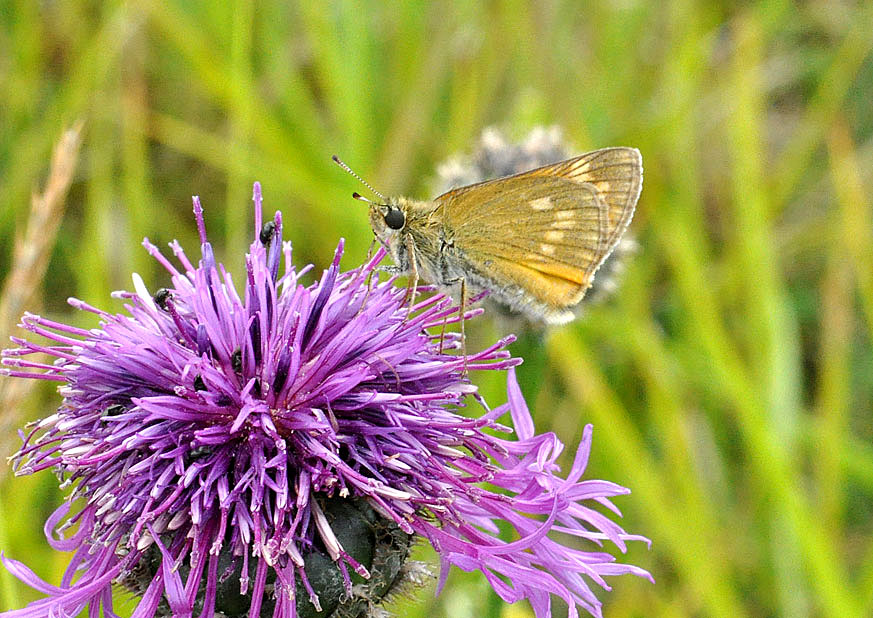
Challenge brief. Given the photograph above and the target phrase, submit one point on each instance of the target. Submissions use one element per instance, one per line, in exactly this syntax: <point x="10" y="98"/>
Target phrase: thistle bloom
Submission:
<point x="208" y="437"/>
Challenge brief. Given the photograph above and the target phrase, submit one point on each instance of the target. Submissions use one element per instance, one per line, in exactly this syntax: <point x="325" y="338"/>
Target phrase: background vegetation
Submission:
<point x="730" y="378"/>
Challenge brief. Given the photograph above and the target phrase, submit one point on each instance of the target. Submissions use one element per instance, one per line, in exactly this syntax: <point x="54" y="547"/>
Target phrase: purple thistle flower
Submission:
<point x="209" y="437"/>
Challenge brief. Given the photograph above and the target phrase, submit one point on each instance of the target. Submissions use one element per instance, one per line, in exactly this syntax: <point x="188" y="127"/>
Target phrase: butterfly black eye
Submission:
<point x="394" y="218"/>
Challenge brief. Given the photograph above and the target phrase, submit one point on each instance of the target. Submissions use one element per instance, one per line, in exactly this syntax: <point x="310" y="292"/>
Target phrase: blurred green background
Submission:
<point x="730" y="377"/>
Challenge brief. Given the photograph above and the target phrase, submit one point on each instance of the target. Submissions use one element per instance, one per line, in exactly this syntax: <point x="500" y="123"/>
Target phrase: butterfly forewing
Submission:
<point x="616" y="173"/>
<point x="549" y="229"/>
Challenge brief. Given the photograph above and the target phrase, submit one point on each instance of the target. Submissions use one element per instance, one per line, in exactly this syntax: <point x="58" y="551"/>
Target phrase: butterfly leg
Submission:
<point x="461" y="312"/>
<point x="369" y="278"/>
<point x="412" y="289"/>
<point x="443" y="332"/>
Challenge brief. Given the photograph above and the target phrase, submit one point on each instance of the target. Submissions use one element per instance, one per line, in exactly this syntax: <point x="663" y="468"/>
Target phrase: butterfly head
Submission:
<point x="388" y="221"/>
<point x="385" y="218"/>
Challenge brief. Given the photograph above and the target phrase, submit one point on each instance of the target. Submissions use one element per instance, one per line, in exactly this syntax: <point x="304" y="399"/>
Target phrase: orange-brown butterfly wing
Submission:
<point x="547" y="230"/>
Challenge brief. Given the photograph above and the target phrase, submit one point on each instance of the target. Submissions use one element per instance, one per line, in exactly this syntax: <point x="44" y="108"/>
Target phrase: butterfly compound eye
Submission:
<point x="395" y="219"/>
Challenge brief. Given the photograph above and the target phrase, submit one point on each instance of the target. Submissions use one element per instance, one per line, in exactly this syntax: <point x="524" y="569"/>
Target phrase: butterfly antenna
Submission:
<point x="361" y="198"/>
<point x="358" y="196"/>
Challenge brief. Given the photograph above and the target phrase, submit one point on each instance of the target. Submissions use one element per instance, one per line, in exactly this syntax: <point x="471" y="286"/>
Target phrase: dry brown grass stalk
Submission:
<point x="30" y="257"/>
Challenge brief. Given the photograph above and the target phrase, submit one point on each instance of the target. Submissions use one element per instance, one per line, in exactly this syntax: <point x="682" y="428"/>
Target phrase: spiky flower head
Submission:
<point x="260" y="454"/>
